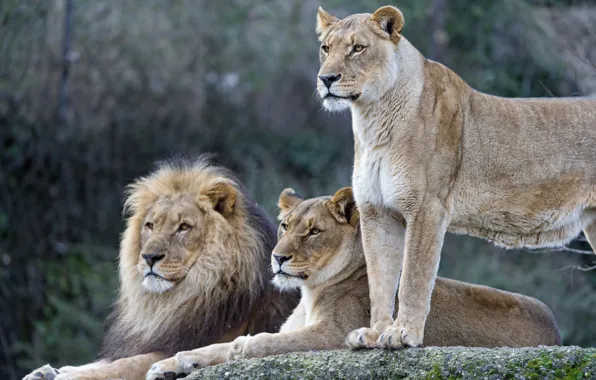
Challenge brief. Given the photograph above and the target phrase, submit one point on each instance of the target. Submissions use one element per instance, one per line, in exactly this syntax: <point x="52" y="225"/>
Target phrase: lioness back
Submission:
<point x="487" y="317"/>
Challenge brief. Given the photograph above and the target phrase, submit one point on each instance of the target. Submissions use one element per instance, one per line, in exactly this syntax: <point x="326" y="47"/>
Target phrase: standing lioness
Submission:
<point x="320" y="251"/>
<point x="518" y="172"/>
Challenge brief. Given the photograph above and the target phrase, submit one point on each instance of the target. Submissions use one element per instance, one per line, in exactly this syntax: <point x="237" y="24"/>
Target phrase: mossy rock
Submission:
<point x="567" y="362"/>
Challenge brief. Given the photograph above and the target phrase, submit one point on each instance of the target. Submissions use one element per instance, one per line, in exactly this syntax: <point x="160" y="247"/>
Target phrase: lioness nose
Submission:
<point x="152" y="258"/>
<point x="282" y="259"/>
<point x="329" y="79"/>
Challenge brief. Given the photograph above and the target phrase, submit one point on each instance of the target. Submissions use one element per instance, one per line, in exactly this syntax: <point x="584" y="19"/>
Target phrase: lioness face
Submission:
<point x="170" y="241"/>
<point x="310" y="235"/>
<point x="357" y="57"/>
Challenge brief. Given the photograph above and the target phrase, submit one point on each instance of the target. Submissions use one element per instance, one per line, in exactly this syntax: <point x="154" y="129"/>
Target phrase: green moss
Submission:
<point x="430" y="363"/>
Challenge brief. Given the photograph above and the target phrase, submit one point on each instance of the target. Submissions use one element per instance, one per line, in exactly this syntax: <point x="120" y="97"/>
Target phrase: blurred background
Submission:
<point x="92" y="92"/>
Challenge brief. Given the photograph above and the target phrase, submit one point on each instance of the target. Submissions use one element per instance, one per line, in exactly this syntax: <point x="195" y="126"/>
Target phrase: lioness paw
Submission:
<point x="410" y="338"/>
<point x="398" y="337"/>
<point x="174" y="368"/>
<point x="44" y="373"/>
<point x="362" y="338"/>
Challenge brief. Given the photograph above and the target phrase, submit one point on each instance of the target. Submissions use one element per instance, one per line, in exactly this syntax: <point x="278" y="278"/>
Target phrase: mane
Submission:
<point x="220" y="289"/>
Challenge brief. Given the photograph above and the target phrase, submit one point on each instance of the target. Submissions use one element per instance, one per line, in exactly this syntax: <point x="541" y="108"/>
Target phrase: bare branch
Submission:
<point x="577" y="267"/>
<point x="560" y="249"/>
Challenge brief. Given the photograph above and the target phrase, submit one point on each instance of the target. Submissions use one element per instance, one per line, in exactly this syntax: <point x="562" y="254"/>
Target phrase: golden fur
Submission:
<point x="518" y="172"/>
<point x="320" y="251"/>
<point x="214" y="282"/>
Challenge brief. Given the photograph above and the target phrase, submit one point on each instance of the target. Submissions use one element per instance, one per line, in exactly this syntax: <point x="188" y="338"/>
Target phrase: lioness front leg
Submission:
<point x="132" y="368"/>
<point x="383" y="241"/>
<point x="424" y="240"/>
<point x="186" y="362"/>
<point x="314" y="337"/>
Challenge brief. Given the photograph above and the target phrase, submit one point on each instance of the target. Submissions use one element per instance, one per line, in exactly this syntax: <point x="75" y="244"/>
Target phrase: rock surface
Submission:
<point x="568" y="362"/>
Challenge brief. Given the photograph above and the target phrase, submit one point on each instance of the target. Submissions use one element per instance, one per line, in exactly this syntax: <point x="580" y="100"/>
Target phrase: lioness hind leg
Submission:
<point x="590" y="233"/>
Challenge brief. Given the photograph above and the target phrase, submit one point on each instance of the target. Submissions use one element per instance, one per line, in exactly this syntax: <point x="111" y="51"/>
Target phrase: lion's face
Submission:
<point x="178" y="217"/>
<point x="171" y="238"/>
<point x="310" y="235"/>
<point x="357" y="56"/>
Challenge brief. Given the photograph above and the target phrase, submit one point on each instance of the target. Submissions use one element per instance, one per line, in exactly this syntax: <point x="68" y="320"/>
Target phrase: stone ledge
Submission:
<point x="568" y="362"/>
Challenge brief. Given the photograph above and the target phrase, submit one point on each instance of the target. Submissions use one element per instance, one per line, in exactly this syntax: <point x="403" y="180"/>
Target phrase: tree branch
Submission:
<point x="577" y="267"/>
<point x="560" y="249"/>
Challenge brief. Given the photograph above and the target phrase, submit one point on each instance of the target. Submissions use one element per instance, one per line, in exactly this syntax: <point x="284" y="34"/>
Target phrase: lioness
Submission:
<point x="518" y="172"/>
<point x="320" y="251"/>
<point x="193" y="271"/>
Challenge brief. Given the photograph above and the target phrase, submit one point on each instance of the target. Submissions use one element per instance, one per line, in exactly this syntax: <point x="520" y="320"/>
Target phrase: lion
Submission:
<point x="320" y="251"/>
<point x="193" y="271"/>
<point x="436" y="155"/>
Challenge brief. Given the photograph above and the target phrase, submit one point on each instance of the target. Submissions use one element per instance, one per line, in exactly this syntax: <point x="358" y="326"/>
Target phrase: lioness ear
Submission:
<point x="324" y="21"/>
<point x="222" y="195"/>
<point x="343" y="207"/>
<point x="288" y="200"/>
<point x="391" y="20"/>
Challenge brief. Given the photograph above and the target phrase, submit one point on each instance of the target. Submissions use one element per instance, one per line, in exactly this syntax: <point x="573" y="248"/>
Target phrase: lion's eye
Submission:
<point x="314" y="232"/>
<point x="149" y="225"/>
<point x="358" y="48"/>
<point x="325" y="49"/>
<point x="184" y="227"/>
<point x="284" y="226"/>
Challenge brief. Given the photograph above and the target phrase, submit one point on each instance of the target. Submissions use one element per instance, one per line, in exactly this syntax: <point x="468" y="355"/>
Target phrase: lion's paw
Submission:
<point x="46" y="372"/>
<point x="174" y="368"/>
<point x="362" y="338"/>
<point x="398" y="337"/>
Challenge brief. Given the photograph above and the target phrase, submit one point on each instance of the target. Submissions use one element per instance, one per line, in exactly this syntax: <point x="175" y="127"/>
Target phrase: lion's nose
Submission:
<point x="282" y="259"/>
<point x="152" y="258"/>
<point x="329" y="79"/>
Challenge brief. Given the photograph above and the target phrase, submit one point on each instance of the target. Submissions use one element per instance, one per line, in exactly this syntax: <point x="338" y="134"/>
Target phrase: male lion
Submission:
<point x="518" y="172"/>
<point x="193" y="271"/>
<point x="320" y="251"/>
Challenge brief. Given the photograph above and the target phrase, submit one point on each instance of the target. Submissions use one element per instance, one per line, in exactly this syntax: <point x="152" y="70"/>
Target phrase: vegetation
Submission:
<point x="438" y="363"/>
<point x="139" y="81"/>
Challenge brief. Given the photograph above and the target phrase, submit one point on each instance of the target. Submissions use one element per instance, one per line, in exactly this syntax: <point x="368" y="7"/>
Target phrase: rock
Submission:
<point x="567" y="362"/>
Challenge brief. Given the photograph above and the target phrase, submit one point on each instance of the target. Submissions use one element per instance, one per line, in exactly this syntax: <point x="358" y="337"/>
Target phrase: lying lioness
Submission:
<point x="518" y="172"/>
<point x="320" y="251"/>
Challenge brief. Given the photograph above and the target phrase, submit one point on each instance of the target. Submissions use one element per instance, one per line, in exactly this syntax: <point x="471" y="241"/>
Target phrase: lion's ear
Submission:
<point x="324" y="21"/>
<point x="288" y="200"/>
<point x="391" y="20"/>
<point x="222" y="195"/>
<point x="343" y="207"/>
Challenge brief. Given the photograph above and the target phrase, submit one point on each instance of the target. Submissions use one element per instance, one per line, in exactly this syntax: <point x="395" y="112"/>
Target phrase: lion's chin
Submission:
<point x="154" y="284"/>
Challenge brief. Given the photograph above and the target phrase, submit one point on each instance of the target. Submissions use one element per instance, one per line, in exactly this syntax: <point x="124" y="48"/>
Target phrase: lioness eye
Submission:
<point x="315" y="232"/>
<point x="184" y="227"/>
<point x="284" y="226"/>
<point x="325" y="48"/>
<point x="358" y="48"/>
<point x="149" y="225"/>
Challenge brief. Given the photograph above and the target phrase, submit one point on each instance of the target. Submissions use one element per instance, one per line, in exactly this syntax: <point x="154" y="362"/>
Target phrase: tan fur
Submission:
<point x="215" y="285"/>
<point x="518" y="172"/>
<point x="332" y="276"/>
